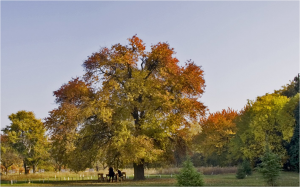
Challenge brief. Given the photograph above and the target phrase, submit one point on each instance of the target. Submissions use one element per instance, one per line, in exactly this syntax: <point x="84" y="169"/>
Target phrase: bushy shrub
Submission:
<point x="270" y="167"/>
<point x="247" y="167"/>
<point x="243" y="170"/>
<point x="240" y="174"/>
<point x="188" y="176"/>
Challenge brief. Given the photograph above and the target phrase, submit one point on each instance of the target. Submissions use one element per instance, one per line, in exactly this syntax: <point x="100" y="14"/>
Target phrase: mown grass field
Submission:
<point x="286" y="179"/>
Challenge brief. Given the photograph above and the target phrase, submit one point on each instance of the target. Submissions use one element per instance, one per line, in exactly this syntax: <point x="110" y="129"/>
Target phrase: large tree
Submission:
<point x="141" y="104"/>
<point x="26" y="135"/>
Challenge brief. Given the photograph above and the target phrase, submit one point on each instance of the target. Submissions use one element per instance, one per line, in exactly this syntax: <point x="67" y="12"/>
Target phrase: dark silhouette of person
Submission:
<point x="120" y="173"/>
<point x="111" y="174"/>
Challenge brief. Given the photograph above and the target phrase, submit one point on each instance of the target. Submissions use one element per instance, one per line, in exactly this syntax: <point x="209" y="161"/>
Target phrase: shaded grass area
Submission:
<point x="286" y="179"/>
<point x="129" y="171"/>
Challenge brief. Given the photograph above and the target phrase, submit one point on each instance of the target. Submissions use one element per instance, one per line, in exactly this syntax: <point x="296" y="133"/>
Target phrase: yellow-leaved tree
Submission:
<point x="267" y="121"/>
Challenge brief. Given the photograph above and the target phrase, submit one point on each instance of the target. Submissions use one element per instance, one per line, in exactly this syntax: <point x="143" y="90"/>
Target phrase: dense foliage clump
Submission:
<point x="243" y="170"/>
<point x="294" y="144"/>
<point x="247" y="167"/>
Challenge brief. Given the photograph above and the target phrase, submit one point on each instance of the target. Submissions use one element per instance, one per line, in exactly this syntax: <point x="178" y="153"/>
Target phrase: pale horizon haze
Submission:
<point x="246" y="49"/>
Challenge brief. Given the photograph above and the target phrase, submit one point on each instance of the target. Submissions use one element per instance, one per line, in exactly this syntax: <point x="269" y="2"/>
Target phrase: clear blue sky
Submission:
<point x="246" y="49"/>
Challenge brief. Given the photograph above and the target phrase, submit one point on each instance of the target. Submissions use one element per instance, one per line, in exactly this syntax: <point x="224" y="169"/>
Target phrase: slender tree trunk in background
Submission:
<point x="139" y="171"/>
<point x="33" y="168"/>
<point x="25" y="167"/>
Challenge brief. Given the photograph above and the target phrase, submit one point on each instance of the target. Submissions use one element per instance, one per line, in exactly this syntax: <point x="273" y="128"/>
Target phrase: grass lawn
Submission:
<point x="286" y="179"/>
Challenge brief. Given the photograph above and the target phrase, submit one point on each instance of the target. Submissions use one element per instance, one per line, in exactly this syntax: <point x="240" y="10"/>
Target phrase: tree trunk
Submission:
<point x="25" y="168"/>
<point x="33" y="168"/>
<point x="139" y="171"/>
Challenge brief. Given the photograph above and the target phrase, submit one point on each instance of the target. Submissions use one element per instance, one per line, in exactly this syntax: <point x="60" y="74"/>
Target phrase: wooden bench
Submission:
<point x="120" y="178"/>
<point x="100" y="177"/>
<point x="123" y="177"/>
<point x="115" y="178"/>
<point x="107" y="177"/>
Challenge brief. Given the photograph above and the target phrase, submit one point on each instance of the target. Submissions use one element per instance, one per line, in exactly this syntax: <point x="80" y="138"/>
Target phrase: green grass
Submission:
<point x="286" y="179"/>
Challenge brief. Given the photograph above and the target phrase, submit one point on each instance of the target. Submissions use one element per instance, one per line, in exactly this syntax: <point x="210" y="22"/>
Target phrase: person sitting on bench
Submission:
<point x="120" y="173"/>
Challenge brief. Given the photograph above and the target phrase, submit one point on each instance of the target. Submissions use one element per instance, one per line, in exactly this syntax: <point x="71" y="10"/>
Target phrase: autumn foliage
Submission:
<point x="217" y="129"/>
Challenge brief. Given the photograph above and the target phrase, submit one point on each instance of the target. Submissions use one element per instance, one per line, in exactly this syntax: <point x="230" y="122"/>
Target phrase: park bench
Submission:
<point x="100" y="177"/>
<point x="120" y="178"/>
<point x="123" y="176"/>
<point x="114" y="178"/>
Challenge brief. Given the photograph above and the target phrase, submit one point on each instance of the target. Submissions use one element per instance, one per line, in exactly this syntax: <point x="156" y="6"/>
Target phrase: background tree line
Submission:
<point x="229" y="137"/>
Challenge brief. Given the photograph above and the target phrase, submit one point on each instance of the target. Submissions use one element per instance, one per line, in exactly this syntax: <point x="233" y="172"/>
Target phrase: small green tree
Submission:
<point x="247" y="167"/>
<point x="188" y="175"/>
<point x="270" y="167"/>
<point x="243" y="170"/>
<point x="240" y="174"/>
